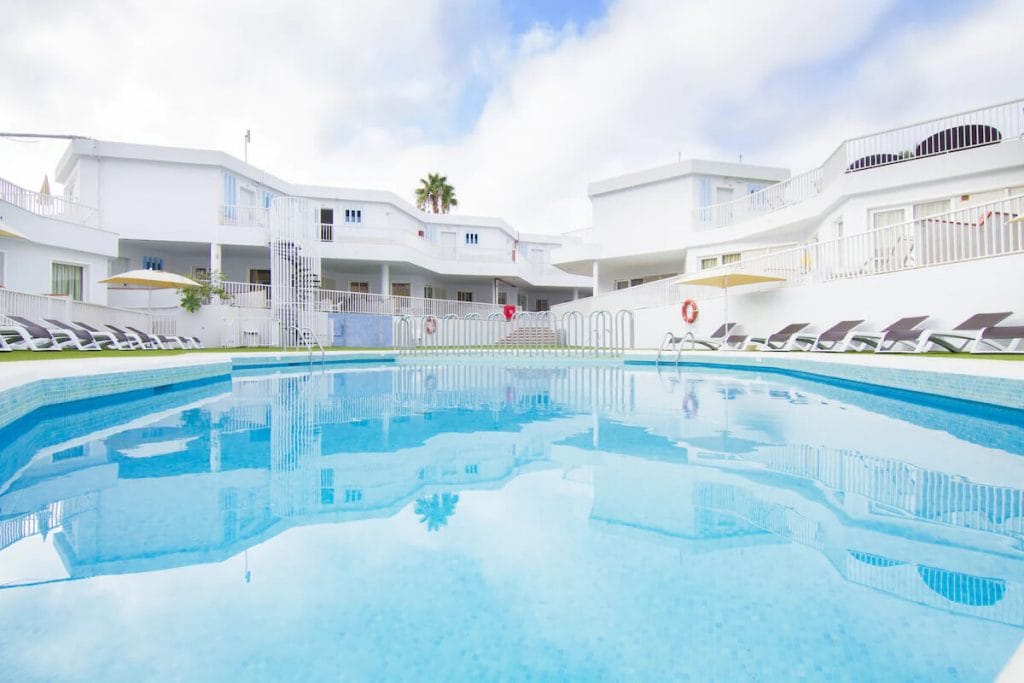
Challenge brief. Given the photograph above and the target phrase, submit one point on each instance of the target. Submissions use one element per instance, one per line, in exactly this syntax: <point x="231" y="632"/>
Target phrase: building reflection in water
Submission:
<point x="700" y="460"/>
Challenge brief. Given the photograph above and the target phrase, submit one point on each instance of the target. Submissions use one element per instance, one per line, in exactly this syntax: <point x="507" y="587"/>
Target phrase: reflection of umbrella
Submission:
<point x="727" y="280"/>
<point x="8" y="231"/>
<point x="152" y="279"/>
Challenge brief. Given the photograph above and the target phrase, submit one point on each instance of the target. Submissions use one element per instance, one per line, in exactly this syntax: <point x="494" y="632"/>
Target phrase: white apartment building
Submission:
<point x="940" y="194"/>
<point x="128" y="206"/>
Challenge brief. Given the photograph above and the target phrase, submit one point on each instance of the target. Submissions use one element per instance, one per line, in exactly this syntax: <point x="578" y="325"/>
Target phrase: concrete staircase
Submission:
<point x="530" y="336"/>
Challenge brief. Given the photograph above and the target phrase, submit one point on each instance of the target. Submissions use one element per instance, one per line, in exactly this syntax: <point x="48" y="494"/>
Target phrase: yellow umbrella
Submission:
<point x="726" y="281"/>
<point x="8" y="231"/>
<point x="151" y="279"/>
<point x="154" y="279"/>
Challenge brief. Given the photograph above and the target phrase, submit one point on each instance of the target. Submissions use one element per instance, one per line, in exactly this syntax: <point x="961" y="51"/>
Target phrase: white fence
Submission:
<point x="986" y="126"/>
<point x="46" y="205"/>
<point x="38" y="308"/>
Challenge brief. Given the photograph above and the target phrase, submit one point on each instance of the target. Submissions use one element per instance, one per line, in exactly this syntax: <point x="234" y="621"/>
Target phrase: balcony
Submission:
<point x="246" y="216"/>
<point x="967" y="130"/>
<point x="48" y="206"/>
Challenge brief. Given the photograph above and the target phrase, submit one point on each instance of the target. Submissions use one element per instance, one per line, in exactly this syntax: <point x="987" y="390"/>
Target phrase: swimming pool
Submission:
<point x="467" y="521"/>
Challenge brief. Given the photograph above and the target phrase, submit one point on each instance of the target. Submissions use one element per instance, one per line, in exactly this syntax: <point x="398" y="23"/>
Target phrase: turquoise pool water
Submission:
<point x="482" y="522"/>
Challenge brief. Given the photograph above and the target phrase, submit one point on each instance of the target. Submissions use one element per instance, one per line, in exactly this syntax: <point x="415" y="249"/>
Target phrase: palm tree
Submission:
<point x="436" y="510"/>
<point x="435" y="194"/>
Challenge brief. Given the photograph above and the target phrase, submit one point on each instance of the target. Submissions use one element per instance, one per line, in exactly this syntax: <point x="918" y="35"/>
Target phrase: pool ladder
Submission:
<point x="674" y="343"/>
<point x="307" y="337"/>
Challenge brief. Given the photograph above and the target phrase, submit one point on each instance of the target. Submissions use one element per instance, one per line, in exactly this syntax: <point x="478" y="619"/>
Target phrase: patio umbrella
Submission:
<point x="8" y="231"/>
<point x="151" y="279"/>
<point x="726" y="281"/>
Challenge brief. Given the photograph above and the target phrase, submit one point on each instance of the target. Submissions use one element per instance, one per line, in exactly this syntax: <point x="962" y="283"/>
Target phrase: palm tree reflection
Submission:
<point x="435" y="511"/>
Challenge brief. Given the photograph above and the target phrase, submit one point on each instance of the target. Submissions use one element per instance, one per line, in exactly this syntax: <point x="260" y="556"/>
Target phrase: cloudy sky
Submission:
<point x="521" y="104"/>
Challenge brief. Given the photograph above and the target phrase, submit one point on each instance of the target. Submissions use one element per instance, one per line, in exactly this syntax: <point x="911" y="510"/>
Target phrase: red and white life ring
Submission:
<point x="509" y="311"/>
<point x="430" y="325"/>
<point x="690" y="311"/>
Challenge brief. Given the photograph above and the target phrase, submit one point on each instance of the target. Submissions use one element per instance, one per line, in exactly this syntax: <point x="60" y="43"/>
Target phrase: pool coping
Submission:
<point x="28" y="385"/>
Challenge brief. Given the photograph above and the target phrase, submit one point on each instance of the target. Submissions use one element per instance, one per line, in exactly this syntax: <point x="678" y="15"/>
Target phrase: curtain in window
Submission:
<point x="931" y="208"/>
<point x="67" y="279"/>
<point x="883" y="219"/>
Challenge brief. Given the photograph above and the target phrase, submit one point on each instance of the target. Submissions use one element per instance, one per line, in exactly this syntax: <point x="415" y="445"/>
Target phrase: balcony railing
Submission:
<point x="250" y="216"/>
<point x="979" y="231"/>
<point x="46" y="205"/>
<point x="38" y="308"/>
<point x="977" y="128"/>
<point x="245" y="295"/>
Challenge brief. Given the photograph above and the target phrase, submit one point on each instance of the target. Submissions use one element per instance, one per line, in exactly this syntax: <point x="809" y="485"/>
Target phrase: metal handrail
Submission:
<point x="305" y="334"/>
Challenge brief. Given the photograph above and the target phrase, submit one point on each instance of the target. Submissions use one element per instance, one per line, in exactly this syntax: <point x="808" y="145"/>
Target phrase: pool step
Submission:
<point x="530" y="336"/>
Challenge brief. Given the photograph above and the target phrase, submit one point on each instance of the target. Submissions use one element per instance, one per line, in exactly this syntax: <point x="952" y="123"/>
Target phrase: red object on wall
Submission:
<point x="509" y="311"/>
<point x="419" y="233"/>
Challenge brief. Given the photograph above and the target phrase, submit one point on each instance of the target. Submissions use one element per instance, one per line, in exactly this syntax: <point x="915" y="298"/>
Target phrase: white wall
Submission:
<point x="28" y="267"/>
<point x="640" y="218"/>
<point x="949" y="293"/>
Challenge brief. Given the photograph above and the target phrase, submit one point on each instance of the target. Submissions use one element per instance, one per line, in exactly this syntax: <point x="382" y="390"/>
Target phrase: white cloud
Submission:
<point x="369" y="94"/>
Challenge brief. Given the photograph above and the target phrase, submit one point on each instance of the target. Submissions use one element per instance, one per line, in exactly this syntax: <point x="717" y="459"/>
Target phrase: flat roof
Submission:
<point x="686" y="167"/>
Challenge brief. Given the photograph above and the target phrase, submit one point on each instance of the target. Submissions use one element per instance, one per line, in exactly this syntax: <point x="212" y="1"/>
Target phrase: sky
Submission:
<point x="519" y="104"/>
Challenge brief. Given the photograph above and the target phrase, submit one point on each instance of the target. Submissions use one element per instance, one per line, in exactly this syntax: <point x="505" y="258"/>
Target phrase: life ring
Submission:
<point x="509" y="311"/>
<point x="430" y="325"/>
<point x="690" y="311"/>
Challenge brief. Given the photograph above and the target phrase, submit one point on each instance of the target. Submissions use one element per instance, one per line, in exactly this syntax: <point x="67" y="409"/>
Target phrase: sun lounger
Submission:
<point x="163" y="341"/>
<point x="836" y="338"/>
<point x="98" y="340"/>
<point x="962" y="335"/>
<point x="1006" y="339"/>
<point x="780" y="341"/>
<point x="23" y="334"/>
<point x="902" y="332"/>
<point x="124" y="341"/>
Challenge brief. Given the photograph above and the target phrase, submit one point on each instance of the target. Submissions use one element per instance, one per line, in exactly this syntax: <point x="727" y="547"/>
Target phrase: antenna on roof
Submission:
<point x="248" y="139"/>
<point x="680" y="159"/>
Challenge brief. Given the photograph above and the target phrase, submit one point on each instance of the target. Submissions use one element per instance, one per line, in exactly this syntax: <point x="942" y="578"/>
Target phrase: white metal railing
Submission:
<point x="384" y="304"/>
<point x="247" y="332"/>
<point x="246" y="295"/>
<point x="650" y="295"/>
<point x="979" y="231"/>
<point x="938" y="136"/>
<point x="797" y="189"/>
<point x="979" y="127"/>
<point x="38" y="308"/>
<point x="50" y="206"/>
<point x="255" y="216"/>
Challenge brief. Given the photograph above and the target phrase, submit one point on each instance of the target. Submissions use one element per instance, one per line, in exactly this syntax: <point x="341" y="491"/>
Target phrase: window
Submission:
<point x="401" y="289"/>
<point x="541" y="305"/>
<point x="327" y="487"/>
<point x="502" y="298"/>
<point x="359" y="287"/>
<point x="67" y="280"/>
<point x="621" y="284"/>
<point x="268" y="199"/>
<point x="464" y="296"/>
<point x="259" y="276"/>
<point x="353" y="215"/>
<point x="230" y="191"/>
<point x="201" y="272"/>
<point x="636" y="281"/>
<point x="326" y="225"/>
<point x="708" y="262"/>
<point x="931" y="208"/>
<point x="353" y="495"/>
<point x="472" y="238"/>
<point x="883" y="219"/>
<point x="730" y="258"/>
<point x="723" y="195"/>
<point x="522" y="300"/>
<point x="428" y="291"/>
<point x="152" y="263"/>
<point x="703" y="192"/>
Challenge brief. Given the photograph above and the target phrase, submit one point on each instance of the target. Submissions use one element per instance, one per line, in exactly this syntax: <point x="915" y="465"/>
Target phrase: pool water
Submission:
<point x="454" y="521"/>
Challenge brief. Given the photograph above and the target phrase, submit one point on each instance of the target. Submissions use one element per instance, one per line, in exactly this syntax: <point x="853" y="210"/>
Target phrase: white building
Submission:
<point x="921" y="207"/>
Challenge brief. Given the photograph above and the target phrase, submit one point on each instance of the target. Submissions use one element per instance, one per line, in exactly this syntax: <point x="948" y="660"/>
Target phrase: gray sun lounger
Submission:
<point x="26" y="334"/>
<point x="904" y="331"/>
<point x="961" y="336"/>
<point x="99" y="340"/>
<point x="836" y="338"/>
<point x="780" y="341"/>
<point x="996" y="339"/>
<point x="123" y="341"/>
